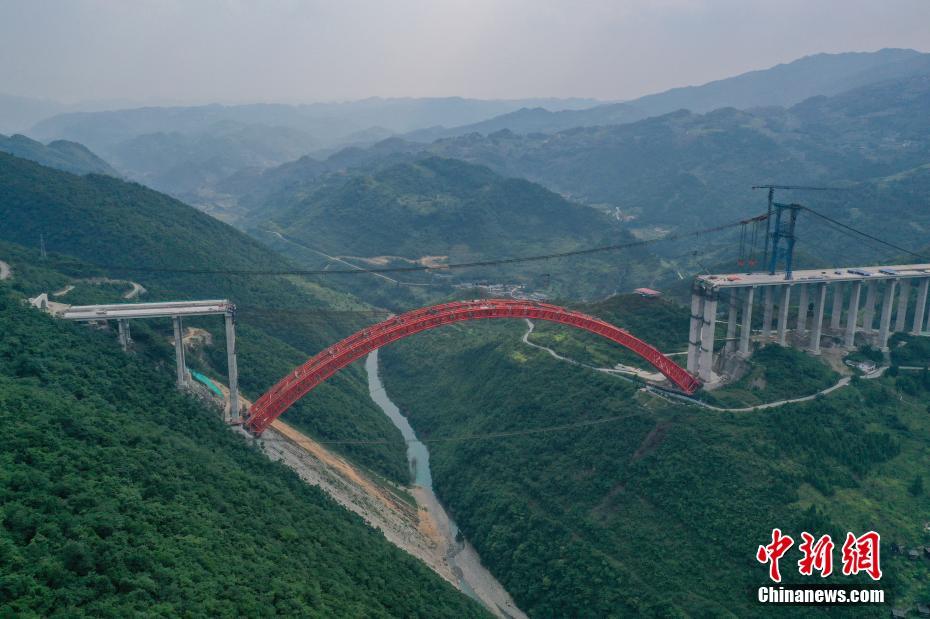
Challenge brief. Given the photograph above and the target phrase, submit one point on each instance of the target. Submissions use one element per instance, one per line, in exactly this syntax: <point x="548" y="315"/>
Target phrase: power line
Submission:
<point x="865" y="234"/>
<point x="478" y="437"/>
<point x="424" y="268"/>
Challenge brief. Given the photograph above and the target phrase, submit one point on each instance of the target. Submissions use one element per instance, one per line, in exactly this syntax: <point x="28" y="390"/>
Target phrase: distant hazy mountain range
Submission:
<point x="684" y="170"/>
<point x="857" y="119"/>
<point x="180" y="149"/>
<point x="186" y="150"/>
<point x="783" y="85"/>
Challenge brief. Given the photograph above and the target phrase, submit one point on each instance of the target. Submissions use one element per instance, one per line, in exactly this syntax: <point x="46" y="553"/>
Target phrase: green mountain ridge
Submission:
<point x="651" y="507"/>
<point x="59" y="154"/>
<point x="450" y="211"/>
<point x="686" y="170"/>
<point x="127" y="231"/>
<point x="119" y="496"/>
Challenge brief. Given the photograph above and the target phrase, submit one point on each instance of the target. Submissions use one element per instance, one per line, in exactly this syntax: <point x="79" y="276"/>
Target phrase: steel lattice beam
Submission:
<point x="330" y="360"/>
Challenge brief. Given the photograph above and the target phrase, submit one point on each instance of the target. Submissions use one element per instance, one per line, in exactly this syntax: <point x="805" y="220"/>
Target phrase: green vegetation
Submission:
<point x="119" y="496"/>
<point x="909" y="350"/>
<point x="60" y="154"/>
<point x="98" y="225"/>
<point x="662" y="323"/>
<point x="446" y="210"/>
<point x="775" y="373"/>
<point x="658" y="512"/>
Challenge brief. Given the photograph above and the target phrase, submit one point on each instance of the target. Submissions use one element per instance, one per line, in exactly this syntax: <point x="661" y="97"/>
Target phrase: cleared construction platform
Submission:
<point x="819" y="293"/>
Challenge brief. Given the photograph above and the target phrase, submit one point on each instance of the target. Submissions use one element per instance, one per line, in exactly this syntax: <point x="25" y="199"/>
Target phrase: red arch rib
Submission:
<point x="327" y="362"/>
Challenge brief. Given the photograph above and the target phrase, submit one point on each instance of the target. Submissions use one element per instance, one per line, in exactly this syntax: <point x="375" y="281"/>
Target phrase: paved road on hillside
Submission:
<point x="5" y="271"/>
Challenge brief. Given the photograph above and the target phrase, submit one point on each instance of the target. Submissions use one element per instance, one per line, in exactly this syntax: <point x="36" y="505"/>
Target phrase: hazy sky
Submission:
<point x="310" y="50"/>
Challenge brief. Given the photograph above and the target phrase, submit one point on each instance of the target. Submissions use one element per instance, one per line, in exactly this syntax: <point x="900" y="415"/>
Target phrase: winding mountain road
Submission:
<point x="662" y="393"/>
<point x="5" y="271"/>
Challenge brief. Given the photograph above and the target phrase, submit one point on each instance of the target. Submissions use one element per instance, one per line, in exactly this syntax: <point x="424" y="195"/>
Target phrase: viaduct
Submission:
<point x="801" y="304"/>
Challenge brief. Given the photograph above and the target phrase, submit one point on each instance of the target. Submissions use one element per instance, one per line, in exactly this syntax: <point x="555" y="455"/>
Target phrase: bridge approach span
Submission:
<point x="327" y="362"/>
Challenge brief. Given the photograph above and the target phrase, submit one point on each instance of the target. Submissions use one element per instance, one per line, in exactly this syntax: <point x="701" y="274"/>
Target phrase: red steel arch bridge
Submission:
<point x="327" y="362"/>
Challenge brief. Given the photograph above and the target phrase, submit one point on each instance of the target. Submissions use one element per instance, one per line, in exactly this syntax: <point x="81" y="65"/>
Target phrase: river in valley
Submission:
<point x="473" y="578"/>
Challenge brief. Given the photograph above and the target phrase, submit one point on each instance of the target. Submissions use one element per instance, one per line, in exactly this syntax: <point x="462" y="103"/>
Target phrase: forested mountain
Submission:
<point x="649" y="507"/>
<point x="692" y="170"/>
<point x="124" y="230"/>
<point x="120" y="496"/>
<point x="60" y="154"/>
<point x="438" y="211"/>
<point x="782" y="85"/>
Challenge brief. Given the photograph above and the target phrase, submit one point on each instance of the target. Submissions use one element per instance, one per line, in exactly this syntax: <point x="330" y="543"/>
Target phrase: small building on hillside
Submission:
<point x="649" y="293"/>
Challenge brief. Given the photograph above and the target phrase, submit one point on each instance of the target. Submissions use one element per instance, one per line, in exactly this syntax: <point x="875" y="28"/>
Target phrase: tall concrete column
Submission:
<point x="921" y="305"/>
<point x="802" y="308"/>
<point x="852" y="314"/>
<point x="884" y="327"/>
<point x="868" y="314"/>
<point x="820" y="301"/>
<point x="124" y="338"/>
<point x="768" y="308"/>
<point x="179" y="352"/>
<point x="904" y="296"/>
<point x="783" y="314"/>
<point x="746" y="330"/>
<point x="730" y="345"/>
<point x="233" y="369"/>
<point x="694" y="334"/>
<point x="708" y="329"/>
<point x="836" y="314"/>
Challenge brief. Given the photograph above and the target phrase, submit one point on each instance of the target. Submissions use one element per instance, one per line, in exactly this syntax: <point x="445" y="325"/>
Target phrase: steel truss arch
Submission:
<point x="327" y="362"/>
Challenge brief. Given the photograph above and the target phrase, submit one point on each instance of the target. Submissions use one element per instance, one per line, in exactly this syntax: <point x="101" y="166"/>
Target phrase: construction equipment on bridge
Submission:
<point x="327" y="362"/>
<point x="748" y="238"/>
<point x="784" y="231"/>
<point x="771" y="205"/>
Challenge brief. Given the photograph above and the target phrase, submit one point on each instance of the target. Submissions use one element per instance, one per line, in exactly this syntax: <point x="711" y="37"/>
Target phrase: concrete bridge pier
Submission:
<point x="868" y="314"/>
<point x="921" y="306"/>
<point x="852" y="315"/>
<point x="884" y="328"/>
<point x="730" y="345"/>
<point x="836" y="313"/>
<point x="767" y="311"/>
<point x="820" y="301"/>
<point x="708" y="329"/>
<point x="746" y="330"/>
<point x="124" y="338"/>
<point x="783" y="315"/>
<point x="904" y="297"/>
<point x="694" y="333"/>
<point x="802" y="309"/>
<point x="232" y="368"/>
<point x="179" y="352"/>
